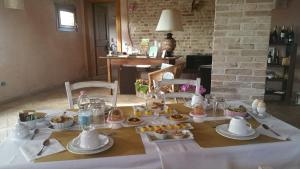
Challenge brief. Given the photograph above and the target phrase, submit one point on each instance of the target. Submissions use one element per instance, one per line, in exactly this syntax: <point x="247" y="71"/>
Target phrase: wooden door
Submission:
<point x="101" y="39"/>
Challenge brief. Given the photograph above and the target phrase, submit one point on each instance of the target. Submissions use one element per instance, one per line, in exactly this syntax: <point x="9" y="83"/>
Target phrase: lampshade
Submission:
<point x="170" y="20"/>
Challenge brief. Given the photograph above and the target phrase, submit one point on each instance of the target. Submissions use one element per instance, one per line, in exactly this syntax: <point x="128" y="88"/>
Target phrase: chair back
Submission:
<point x="180" y="82"/>
<point x="92" y="84"/>
<point x="158" y="75"/>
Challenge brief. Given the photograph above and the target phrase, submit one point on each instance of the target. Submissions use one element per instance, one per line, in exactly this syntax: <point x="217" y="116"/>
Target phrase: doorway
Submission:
<point x="102" y="24"/>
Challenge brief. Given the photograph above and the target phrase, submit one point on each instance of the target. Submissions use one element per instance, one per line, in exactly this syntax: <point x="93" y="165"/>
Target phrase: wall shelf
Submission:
<point x="285" y="84"/>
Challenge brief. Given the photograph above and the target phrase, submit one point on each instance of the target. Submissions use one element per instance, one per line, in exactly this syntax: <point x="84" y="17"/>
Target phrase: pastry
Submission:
<point x="148" y="113"/>
<point x="198" y="110"/>
<point x="115" y="115"/>
<point x="157" y="105"/>
<point x="61" y="119"/>
<point x="177" y="117"/>
<point x="178" y="134"/>
<point x="39" y="115"/>
<point x="134" y="121"/>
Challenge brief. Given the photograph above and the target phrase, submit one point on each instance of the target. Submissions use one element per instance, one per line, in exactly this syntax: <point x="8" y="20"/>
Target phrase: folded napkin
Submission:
<point x="269" y="133"/>
<point x="31" y="148"/>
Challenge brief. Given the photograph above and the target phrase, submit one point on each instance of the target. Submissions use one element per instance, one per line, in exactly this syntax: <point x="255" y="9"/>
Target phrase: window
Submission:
<point x="66" y="18"/>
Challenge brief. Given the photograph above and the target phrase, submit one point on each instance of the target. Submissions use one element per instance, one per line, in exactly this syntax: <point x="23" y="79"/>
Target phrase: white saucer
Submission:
<point x="223" y="130"/>
<point x="75" y="151"/>
<point x="103" y="138"/>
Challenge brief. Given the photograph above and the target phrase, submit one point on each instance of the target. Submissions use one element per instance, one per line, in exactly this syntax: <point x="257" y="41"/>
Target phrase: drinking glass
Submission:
<point x="218" y="106"/>
<point x="208" y="102"/>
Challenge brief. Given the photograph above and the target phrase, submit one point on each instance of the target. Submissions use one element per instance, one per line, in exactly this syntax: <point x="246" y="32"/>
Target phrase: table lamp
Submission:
<point x="170" y="20"/>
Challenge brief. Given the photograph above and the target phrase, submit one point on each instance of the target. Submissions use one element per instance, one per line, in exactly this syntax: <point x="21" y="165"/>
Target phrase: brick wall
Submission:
<point x="241" y="37"/>
<point x="197" y="25"/>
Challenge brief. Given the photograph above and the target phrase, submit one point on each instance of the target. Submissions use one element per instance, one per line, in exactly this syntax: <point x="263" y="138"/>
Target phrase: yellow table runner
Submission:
<point x="206" y="136"/>
<point x="126" y="142"/>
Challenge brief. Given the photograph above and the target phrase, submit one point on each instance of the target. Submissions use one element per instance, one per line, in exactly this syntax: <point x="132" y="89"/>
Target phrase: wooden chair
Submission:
<point x="92" y="84"/>
<point x="180" y="82"/>
<point x="158" y="75"/>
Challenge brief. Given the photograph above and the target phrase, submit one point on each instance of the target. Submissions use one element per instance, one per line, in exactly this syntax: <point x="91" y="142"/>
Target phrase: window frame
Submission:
<point x="67" y="8"/>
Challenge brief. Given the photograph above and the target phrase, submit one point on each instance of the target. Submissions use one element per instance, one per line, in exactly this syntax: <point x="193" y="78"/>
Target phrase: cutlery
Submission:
<point x="45" y="143"/>
<point x="34" y="133"/>
<point x="268" y="128"/>
<point x="277" y="134"/>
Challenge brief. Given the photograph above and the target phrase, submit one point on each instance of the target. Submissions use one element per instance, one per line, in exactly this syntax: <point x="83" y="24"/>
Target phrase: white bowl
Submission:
<point x="30" y="124"/>
<point x="161" y="135"/>
<point x="180" y="135"/>
<point x="65" y="124"/>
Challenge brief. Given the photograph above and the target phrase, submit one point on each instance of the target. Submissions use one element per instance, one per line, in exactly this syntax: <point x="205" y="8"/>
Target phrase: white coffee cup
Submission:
<point x="196" y="99"/>
<point x="239" y="126"/>
<point x="89" y="138"/>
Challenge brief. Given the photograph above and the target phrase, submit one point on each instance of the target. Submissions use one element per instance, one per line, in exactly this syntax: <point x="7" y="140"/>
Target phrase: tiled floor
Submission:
<point x="52" y="99"/>
<point x="56" y="99"/>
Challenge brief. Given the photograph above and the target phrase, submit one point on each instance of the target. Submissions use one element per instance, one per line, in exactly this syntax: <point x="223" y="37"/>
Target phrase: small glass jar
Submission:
<point x="208" y="102"/>
<point x="98" y="111"/>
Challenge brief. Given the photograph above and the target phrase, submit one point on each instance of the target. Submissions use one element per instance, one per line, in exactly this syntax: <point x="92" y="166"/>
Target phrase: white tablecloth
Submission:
<point x="180" y="155"/>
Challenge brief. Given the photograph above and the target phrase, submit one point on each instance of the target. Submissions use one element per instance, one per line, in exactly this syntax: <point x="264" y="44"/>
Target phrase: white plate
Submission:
<point x="74" y="151"/>
<point x="223" y="130"/>
<point x="75" y="143"/>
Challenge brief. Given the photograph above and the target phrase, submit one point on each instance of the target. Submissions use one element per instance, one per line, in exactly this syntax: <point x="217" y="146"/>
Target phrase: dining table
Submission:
<point x="134" y="150"/>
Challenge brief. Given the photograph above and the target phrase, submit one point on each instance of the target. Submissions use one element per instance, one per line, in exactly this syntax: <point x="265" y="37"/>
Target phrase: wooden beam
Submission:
<point x="118" y="25"/>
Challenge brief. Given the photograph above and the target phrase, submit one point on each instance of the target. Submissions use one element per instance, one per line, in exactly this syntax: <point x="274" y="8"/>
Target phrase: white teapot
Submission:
<point x="20" y="131"/>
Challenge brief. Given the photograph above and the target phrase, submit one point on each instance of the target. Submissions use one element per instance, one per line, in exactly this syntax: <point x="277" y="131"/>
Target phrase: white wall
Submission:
<point x="33" y="54"/>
